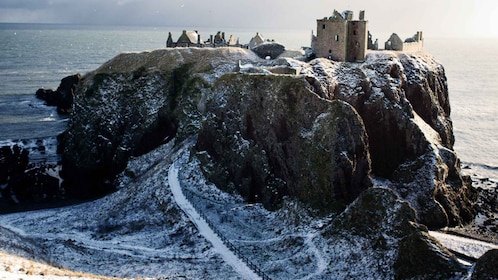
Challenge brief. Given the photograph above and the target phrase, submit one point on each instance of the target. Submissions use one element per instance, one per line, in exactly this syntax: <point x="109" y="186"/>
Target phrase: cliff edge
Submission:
<point x="318" y="131"/>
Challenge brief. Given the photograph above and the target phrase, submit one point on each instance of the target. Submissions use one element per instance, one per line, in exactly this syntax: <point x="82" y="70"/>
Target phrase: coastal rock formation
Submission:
<point x="271" y="137"/>
<point x="380" y="223"/>
<point x="63" y="96"/>
<point x="22" y="181"/>
<point x="409" y="144"/>
<point x="316" y="134"/>
<point x="134" y="103"/>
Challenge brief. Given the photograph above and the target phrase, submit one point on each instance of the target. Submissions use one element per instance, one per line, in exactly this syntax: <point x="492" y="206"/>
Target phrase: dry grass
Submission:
<point x="14" y="267"/>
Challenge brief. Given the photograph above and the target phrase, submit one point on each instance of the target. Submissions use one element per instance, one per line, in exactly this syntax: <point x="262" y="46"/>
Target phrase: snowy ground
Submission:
<point x="144" y="230"/>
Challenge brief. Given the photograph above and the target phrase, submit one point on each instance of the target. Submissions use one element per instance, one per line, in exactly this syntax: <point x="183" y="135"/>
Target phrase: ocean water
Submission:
<point x="39" y="56"/>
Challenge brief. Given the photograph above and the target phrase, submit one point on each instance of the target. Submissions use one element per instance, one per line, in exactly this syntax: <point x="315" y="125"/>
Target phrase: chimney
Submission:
<point x="362" y="15"/>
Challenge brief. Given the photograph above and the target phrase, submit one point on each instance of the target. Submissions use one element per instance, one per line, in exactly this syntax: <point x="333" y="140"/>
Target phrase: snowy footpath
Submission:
<point x="204" y="229"/>
<point x="462" y="245"/>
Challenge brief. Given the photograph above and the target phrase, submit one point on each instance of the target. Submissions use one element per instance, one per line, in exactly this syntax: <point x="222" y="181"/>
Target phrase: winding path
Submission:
<point x="204" y="229"/>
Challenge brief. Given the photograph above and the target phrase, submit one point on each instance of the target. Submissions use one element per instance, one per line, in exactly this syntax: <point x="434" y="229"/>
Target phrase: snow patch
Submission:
<point x="469" y="247"/>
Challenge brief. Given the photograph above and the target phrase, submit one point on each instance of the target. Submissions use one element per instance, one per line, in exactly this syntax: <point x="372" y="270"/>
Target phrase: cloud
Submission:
<point x="444" y="17"/>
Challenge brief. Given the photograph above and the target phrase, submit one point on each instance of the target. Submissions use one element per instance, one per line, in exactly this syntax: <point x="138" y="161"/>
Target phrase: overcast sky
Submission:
<point x="449" y="18"/>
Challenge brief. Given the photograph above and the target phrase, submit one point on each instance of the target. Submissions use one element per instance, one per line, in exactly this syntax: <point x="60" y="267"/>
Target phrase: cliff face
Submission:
<point x="403" y="101"/>
<point x="272" y="137"/>
<point x="315" y="133"/>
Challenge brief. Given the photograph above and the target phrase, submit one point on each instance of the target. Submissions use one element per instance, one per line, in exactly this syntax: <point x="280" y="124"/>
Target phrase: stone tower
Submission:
<point x="341" y="38"/>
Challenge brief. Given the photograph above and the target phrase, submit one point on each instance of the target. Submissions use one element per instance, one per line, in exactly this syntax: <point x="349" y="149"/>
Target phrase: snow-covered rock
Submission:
<point x="137" y="101"/>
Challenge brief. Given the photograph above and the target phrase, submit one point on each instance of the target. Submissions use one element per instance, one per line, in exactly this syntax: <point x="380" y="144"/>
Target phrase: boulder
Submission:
<point x="485" y="267"/>
<point x="385" y="228"/>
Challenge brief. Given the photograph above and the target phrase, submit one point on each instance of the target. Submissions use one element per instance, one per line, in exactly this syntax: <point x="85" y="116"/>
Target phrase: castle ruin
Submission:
<point x="412" y="44"/>
<point x="191" y="38"/>
<point x="341" y="38"/>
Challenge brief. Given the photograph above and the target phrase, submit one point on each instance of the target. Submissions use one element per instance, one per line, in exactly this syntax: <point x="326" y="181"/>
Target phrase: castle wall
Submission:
<point x="331" y="39"/>
<point x="412" y="44"/>
<point x="413" y="47"/>
<point x="357" y="40"/>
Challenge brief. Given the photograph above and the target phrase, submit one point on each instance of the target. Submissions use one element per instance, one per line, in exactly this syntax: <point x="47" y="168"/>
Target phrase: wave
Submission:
<point x="481" y="170"/>
<point x="482" y="165"/>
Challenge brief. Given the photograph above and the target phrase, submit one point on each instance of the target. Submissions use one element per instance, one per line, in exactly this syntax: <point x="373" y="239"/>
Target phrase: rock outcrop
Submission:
<point x="381" y="224"/>
<point x="23" y="183"/>
<point x="485" y="267"/>
<point x="409" y="144"/>
<point x="271" y="137"/>
<point x="132" y="104"/>
<point x="315" y="134"/>
<point x="62" y="98"/>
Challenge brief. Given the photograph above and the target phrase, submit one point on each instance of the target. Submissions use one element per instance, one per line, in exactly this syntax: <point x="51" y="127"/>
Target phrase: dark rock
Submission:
<point x="427" y="92"/>
<point x="13" y="162"/>
<point x="24" y="182"/>
<point x="385" y="228"/>
<point x="420" y="256"/>
<point x="50" y="97"/>
<point x="486" y="266"/>
<point x="272" y="50"/>
<point x="409" y="144"/>
<point x="63" y="96"/>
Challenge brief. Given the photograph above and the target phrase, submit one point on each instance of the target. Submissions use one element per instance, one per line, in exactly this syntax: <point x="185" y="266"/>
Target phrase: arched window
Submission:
<point x="336" y="37"/>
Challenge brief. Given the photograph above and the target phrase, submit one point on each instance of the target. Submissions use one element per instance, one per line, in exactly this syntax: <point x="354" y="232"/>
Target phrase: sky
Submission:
<point x="443" y="18"/>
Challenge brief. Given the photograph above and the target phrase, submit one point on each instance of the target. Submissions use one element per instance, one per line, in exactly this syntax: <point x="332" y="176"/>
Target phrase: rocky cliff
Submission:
<point x="315" y="130"/>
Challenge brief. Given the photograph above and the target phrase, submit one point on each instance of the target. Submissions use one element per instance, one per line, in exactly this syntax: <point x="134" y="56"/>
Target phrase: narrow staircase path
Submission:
<point x="204" y="229"/>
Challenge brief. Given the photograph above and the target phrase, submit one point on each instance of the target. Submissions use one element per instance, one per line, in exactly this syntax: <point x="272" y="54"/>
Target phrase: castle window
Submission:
<point x="336" y="37"/>
<point x="323" y="26"/>
<point x="354" y="32"/>
<point x="330" y="51"/>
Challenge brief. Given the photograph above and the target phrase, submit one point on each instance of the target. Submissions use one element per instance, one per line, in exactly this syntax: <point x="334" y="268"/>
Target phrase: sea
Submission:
<point x="34" y="56"/>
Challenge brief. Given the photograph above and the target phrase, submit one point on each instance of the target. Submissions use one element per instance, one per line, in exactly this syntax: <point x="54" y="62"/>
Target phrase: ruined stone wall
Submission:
<point x="357" y="40"/>
<point x="331" y="39"/>
<point x="413" y="46"/>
